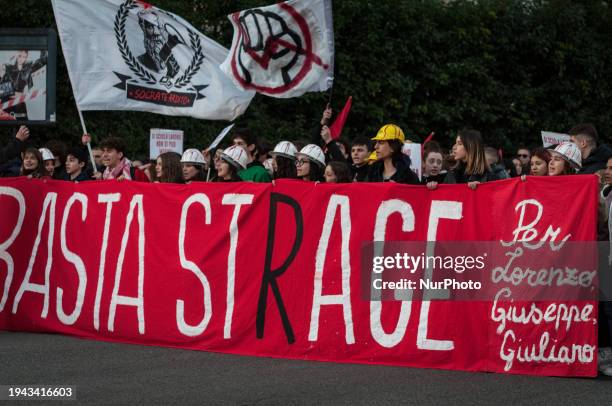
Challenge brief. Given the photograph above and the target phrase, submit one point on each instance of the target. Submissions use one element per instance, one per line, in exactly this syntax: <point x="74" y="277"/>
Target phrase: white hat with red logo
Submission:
<point x="236" y="156"/>
<point x="570" y="153"/>
<point x="286" y="149"/>
<point x="192" y="156"/>
<point x="314" y="153"/>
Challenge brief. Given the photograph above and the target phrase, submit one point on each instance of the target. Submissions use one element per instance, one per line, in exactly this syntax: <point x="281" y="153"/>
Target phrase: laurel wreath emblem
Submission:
<point x="136" y="67"/>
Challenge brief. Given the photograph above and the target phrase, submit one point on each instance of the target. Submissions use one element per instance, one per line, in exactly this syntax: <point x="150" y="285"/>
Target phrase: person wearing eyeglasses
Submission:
<point x="310" y="163"/>
<point x="524" y="155"/>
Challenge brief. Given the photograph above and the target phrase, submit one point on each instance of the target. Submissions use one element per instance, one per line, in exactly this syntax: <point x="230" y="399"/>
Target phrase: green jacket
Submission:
<point x="255" y="172"/>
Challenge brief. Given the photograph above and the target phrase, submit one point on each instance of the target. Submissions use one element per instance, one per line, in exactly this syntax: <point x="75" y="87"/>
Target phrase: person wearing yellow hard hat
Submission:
<point x="372" y="158"/>
<point x="391" y="165"/>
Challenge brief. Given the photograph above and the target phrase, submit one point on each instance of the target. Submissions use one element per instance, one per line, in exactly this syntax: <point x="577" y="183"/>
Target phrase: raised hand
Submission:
<point x="23" y="133"/>
<point x="327" y="113"/>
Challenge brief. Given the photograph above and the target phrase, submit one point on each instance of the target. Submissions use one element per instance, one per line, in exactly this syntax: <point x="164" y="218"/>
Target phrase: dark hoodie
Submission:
<point x="403" y="173"/>
<point x="596" y="160"/>
<point x="82" y="177"/>
<point x="11" y="150"/>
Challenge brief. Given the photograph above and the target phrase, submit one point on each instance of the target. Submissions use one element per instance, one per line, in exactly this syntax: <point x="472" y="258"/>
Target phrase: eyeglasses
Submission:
<point x="301" y="162"/>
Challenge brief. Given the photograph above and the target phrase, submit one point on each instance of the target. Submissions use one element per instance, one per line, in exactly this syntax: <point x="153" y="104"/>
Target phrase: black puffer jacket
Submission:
<point x="403" y="173"/>
<point x="458" y="175"/>
<point x="596" y="160"/>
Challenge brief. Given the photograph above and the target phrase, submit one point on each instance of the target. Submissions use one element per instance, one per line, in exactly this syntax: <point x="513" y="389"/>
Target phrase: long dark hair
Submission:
<point x="172" y="172"/>
<point x="40" y="170"/>
<point x="233" y="176"/>
<point x="341" y="170"/>
<point x="200" y="176"/>
<point x="396" y="147"/>
<point x="316" y="172"/>
<point x="285" y="168"/>
<point x="233" y="173"/>
<point x="510" y="168"/>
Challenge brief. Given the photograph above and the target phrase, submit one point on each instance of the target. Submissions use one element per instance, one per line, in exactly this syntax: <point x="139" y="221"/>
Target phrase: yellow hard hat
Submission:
<point x="372" y="158"/>
<point x="390" y="132"/>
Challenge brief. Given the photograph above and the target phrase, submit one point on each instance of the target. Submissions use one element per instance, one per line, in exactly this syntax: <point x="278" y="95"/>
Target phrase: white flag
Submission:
<point x="220" y="137"/>
<point x="550" y="138"/>
<point x="130" y="55"/>
<point x="283" y="50"/>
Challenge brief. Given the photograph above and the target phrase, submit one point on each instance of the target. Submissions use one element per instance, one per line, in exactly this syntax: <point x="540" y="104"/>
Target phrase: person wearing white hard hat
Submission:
<point x="565" y="159"/>
<point x="233" y="160"/>
<point x="192" y="162"/>
<point x="48" y="160"/>
<point x="283" y="160"/>
<point x="310" y="163"/>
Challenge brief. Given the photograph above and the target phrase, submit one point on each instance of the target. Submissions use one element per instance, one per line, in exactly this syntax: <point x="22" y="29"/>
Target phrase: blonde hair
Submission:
<point x="476" y="162"/>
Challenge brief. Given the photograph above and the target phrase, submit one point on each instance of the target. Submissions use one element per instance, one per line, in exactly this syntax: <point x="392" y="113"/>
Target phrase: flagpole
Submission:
<point x="91" y="157"/>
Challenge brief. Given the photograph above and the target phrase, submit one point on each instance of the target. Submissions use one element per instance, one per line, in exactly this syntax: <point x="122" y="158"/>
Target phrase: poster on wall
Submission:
<point x="27" y="76"/>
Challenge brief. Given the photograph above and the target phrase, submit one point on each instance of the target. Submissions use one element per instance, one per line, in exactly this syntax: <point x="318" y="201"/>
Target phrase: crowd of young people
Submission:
<point x="379" y="158"/>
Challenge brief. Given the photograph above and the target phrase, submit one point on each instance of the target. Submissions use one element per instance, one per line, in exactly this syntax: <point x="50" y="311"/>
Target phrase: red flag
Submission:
<point x="429" y="137"/>
<point x="338" y="125"/>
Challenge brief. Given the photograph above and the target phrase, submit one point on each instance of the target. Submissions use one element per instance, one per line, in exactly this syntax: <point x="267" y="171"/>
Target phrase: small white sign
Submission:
<point x="550" y="138"/>
<point x="414" y="152"/>
<point x="163" y="140"/>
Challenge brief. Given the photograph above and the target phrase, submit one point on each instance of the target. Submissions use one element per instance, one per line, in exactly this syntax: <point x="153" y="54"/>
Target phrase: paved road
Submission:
<point x="108" y="373"/>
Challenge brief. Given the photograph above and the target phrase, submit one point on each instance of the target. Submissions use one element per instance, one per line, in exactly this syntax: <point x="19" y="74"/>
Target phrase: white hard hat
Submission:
<point x="269" y="166"/>
<point x="192" y="156"/>
<point x="570" y="152"/>
<point x="314" y="153"/>
<point x="236" y="156"/>
<point x="284" y="148"/>
<point x="46" y="154"/>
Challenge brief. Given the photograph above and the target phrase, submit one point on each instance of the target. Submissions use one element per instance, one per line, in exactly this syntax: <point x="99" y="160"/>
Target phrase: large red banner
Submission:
<point x="275" y="270"/>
